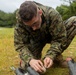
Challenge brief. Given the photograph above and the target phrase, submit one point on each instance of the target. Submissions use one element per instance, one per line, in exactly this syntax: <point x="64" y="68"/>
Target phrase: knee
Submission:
<point x="73" y="18"/>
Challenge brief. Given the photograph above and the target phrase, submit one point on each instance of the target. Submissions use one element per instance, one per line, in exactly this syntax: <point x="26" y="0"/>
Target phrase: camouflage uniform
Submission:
<point x="53" y="30"/>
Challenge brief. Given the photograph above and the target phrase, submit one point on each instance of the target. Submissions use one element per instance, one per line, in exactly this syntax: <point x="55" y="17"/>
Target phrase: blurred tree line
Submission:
<point x="9" y="19"/>
<point x="67" y="10"/>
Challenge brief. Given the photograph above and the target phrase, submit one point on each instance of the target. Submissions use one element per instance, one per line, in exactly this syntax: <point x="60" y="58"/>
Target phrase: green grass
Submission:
<point x="9" y="57"/>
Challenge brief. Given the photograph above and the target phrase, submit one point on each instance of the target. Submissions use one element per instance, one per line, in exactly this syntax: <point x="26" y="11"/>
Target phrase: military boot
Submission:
<point x="60" y="62"/>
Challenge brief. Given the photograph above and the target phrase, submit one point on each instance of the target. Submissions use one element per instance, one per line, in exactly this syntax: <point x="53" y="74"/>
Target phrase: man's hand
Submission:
<point x="37" y="65"/>
<point x="48" y="62"/>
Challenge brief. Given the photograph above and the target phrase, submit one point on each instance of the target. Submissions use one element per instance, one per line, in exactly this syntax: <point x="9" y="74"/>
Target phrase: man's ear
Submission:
<point x="40" y="12"/>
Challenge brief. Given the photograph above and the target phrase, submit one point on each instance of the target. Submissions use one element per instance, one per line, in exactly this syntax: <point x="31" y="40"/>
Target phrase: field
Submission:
<point x="9" y="57"/>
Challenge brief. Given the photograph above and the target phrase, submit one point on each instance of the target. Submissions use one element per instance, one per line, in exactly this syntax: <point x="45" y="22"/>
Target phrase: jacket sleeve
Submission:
<point x="21" y="43"/>
<point x="58" y="32"/>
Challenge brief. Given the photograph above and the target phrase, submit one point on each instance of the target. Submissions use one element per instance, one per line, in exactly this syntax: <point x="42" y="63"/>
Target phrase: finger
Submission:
<point x="38" y="68"/>
<point x="49" y="64"/>
<point x="41" y="64"/>
<point x="45" y="63"/>
<point x="35" y="69"/>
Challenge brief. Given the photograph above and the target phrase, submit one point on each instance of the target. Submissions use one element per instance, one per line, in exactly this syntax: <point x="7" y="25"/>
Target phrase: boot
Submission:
<point x="59" y="61"/>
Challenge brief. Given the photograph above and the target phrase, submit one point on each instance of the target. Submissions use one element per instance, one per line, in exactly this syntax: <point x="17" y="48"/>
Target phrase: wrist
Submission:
<point x="30" y="60"/>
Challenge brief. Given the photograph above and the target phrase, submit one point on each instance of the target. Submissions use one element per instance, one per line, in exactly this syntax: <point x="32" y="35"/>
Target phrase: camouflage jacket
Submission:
<point x="52" y="24"/>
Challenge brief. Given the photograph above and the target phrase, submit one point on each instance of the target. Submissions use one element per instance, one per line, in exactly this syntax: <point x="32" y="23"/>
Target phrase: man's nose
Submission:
<point x="34" y="28"/>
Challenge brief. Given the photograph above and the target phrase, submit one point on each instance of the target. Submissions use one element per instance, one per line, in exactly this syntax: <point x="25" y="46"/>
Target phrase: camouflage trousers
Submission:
<point x="70" y="25"/>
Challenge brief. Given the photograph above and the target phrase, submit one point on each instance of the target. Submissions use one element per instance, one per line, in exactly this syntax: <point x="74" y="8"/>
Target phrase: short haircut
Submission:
<point x="27" y="11"/>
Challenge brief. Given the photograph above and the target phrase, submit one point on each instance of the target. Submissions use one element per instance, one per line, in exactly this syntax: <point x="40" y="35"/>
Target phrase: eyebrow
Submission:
<point x="34" y="23"/>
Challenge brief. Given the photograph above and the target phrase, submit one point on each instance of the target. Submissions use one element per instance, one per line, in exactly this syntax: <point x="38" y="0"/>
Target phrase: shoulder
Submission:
<point x="53" y="14"/>
<point x="41" y="6"/>
<point x="18" y="19"/>
<point x="47" y="10"/>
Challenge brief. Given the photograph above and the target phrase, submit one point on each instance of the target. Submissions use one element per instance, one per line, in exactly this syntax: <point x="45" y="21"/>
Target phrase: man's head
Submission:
<point x="30" y="14"/>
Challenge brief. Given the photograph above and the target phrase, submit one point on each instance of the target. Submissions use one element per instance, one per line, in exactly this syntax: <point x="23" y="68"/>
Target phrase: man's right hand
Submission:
<point x="37" y="65"/>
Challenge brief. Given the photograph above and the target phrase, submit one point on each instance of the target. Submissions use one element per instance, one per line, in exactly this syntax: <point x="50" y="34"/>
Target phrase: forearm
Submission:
<point x="21" y="43"/>
<point x="24" y="53"/>
<point x="57" y="47"/>
<point x="58" y="42"/>
<point x="54" y="50"/>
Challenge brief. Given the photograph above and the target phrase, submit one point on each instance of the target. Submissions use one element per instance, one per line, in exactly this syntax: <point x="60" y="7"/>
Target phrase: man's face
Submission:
<point x="35" y="23"/>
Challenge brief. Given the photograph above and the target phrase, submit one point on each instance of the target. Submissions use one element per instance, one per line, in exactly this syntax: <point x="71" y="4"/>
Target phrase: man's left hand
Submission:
<point x="48" y="62"/>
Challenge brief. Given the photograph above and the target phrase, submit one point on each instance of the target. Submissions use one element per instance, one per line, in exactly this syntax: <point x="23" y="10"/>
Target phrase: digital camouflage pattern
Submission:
<point x="53" y="30"/>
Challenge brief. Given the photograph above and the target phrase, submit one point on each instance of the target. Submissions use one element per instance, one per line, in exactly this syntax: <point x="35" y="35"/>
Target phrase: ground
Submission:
<point x="9" y="57"/>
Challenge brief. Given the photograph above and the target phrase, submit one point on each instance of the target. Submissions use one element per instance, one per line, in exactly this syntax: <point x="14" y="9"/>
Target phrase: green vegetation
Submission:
<point x="7" y="19"/>
<point x="9" y="57"/>
<point x="67" y="10"/>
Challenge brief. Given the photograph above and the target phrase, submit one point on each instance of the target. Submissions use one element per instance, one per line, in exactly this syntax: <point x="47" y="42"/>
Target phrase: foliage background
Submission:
<point x="66" y="11"/>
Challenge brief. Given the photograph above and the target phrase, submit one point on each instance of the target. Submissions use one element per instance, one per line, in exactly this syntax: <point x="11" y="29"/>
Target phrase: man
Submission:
<point x="38" y="25"/>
